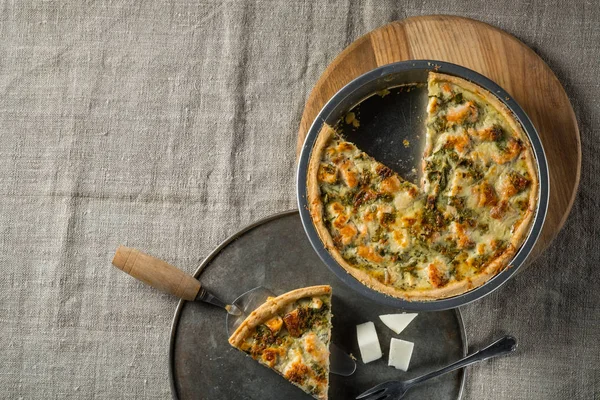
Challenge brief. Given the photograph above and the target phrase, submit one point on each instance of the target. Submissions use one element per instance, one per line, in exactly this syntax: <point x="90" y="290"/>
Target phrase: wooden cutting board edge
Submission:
<point x="491" y="52"/>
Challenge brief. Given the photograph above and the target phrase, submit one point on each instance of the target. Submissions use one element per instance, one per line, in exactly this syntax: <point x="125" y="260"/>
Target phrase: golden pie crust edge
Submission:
<point x="271" y="308"/>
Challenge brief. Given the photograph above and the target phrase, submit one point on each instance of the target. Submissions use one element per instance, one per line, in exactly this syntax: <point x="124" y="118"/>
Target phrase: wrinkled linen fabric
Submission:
<point x="170" y="125"/>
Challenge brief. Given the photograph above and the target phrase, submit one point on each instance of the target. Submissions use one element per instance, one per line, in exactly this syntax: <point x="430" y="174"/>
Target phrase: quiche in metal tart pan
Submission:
<point x="454" y="230"/>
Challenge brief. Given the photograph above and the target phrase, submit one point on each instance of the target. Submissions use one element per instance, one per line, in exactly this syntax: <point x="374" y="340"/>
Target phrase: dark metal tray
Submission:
<point x="275" y="253"/>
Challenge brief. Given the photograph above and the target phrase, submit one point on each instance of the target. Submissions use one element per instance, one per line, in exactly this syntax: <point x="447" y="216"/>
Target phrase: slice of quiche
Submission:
<point x="290" y="334"/>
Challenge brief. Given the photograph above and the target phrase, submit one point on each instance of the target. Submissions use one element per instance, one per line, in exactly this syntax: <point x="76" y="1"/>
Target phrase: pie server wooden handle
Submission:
<point x="156" y="273"/>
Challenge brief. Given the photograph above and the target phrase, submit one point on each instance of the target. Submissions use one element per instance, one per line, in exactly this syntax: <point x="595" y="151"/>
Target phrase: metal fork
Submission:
<point x="394" y="390"/>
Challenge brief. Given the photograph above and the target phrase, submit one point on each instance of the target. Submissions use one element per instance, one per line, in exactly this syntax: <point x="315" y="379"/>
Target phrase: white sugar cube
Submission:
<point x="368" y="342"/>
<point x="397" y="322"/>
<point x="400" y="353"/>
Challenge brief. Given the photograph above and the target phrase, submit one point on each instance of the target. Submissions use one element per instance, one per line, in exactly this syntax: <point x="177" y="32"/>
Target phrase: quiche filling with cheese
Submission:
<point x="293" y="340"/>
<point x="462" y="226"/>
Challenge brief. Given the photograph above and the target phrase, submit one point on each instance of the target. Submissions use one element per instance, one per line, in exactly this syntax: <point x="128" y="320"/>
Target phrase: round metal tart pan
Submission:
<point x="394" y="75"/>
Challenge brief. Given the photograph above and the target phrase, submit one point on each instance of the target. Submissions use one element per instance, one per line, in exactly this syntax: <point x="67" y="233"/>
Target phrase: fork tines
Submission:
<point x="375" y="393"/>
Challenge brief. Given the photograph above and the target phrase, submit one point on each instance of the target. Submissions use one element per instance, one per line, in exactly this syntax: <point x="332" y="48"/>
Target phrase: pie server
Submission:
<point x="170" y="279"/>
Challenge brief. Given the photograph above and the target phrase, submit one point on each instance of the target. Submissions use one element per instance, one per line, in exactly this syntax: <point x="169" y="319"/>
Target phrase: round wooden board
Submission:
<point x="491" y="52"/>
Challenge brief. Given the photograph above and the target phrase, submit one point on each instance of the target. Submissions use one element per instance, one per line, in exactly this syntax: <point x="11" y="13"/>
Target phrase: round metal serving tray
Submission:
<point x="274" y="253"/>
<point x="396" y="117"/>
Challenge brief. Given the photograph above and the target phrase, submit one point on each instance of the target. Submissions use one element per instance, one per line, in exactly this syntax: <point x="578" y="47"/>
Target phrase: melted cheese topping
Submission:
<point x="475" y="192"/>
<point x="296" y="344"/>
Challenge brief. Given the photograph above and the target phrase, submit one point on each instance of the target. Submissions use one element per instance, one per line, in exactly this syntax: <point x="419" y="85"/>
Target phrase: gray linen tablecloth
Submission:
<point x="169" y="125"/>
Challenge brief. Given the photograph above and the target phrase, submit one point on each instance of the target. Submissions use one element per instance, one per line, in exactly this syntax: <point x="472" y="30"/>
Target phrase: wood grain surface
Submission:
<point x="156" y="273"/>
<point x="494" y="54"/>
